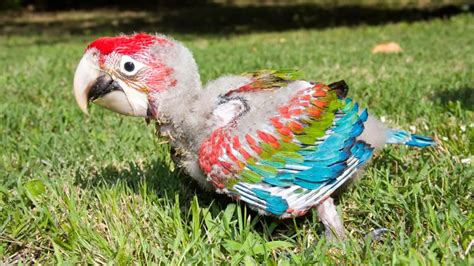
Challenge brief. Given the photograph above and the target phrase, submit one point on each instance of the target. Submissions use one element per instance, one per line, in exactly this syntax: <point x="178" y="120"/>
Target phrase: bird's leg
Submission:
<point x="328" y="215"/>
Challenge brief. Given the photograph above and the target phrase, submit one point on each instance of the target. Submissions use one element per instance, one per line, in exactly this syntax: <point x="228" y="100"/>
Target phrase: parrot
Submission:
<point x="280" y="144"/>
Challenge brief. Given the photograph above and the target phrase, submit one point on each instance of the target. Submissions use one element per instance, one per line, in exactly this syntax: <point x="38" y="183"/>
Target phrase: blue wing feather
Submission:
<point x="320" y="167"/>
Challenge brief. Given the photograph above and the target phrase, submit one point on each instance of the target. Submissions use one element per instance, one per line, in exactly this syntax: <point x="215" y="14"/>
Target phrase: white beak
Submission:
<point x="86" y="75"/>
<point x="89" y="81"/>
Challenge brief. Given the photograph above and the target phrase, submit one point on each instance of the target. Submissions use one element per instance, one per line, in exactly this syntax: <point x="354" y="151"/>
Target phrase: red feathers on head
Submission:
<point x="127" y="44"/>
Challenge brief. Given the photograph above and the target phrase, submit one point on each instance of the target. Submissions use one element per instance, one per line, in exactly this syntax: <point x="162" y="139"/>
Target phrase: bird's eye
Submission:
<point x="129" y="66"/>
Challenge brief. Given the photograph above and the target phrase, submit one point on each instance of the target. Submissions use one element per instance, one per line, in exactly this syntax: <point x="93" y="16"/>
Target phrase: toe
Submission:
<point x="376" y="234"/>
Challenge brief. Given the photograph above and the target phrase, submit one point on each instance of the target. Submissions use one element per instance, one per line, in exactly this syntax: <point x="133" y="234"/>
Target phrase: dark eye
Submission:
<point x="129" y="66"/>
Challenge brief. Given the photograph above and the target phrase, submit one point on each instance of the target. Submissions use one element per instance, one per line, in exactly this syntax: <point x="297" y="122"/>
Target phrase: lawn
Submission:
<point x="102" y="188"/>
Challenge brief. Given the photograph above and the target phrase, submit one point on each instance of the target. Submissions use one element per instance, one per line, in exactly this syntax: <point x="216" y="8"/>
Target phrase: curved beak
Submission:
<point x="93" y="85"/>
<point x="86" y="74"/>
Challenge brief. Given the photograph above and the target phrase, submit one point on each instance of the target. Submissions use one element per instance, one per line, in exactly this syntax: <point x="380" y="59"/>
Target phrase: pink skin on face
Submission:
<point x="155" y="77"/>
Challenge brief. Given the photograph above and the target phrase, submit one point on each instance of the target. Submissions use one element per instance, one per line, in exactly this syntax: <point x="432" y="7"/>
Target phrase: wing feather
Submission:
<point x="297" y="158"/>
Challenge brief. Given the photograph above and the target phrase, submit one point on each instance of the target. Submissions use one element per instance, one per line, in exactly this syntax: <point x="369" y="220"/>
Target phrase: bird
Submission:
<point x="280" y="144"/>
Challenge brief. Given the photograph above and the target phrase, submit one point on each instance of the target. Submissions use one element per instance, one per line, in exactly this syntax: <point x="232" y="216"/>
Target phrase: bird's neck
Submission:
<point x="181" y="115"/>
<point x="174" y="105"/>
<point x="181" y="110"/>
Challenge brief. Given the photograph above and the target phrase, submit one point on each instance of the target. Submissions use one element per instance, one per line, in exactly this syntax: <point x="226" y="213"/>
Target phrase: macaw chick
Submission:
<point x="278" y="143"/>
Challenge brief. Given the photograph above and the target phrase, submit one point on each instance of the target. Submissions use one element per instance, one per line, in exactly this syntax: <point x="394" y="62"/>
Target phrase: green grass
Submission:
<point x="103" y="189"/>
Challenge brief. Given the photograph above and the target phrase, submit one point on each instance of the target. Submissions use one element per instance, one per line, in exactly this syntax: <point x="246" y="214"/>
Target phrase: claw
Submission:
<point x="376" y="234"/>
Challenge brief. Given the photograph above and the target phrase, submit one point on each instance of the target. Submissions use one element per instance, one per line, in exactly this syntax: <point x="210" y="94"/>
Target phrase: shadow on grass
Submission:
<point x="465" y="96"/>
<point x="216" y="19"/>
<point x="158" y="178"/>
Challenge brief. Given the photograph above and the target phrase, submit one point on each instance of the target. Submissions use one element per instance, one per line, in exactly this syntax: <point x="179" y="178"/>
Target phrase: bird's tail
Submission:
<point x="406" y="138"/>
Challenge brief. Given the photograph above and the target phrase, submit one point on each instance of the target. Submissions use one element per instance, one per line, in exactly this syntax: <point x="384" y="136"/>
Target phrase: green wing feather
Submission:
<point x="268" y="78"/>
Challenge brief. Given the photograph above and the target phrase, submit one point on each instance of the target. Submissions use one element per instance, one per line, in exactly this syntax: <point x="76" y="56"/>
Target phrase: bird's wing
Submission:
<point x="266" y="79"/>
<point x="295" y="159"/>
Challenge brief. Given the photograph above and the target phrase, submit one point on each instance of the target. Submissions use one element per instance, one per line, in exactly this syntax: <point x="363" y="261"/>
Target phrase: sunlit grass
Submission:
<point x="102" y="188"/>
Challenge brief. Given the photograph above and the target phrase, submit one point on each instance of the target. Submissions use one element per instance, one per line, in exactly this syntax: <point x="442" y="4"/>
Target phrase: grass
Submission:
<point x="102" y="188"/>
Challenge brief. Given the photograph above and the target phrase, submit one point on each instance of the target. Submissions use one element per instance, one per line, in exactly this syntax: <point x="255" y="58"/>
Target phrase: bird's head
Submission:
<point x="121" y="73"/>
